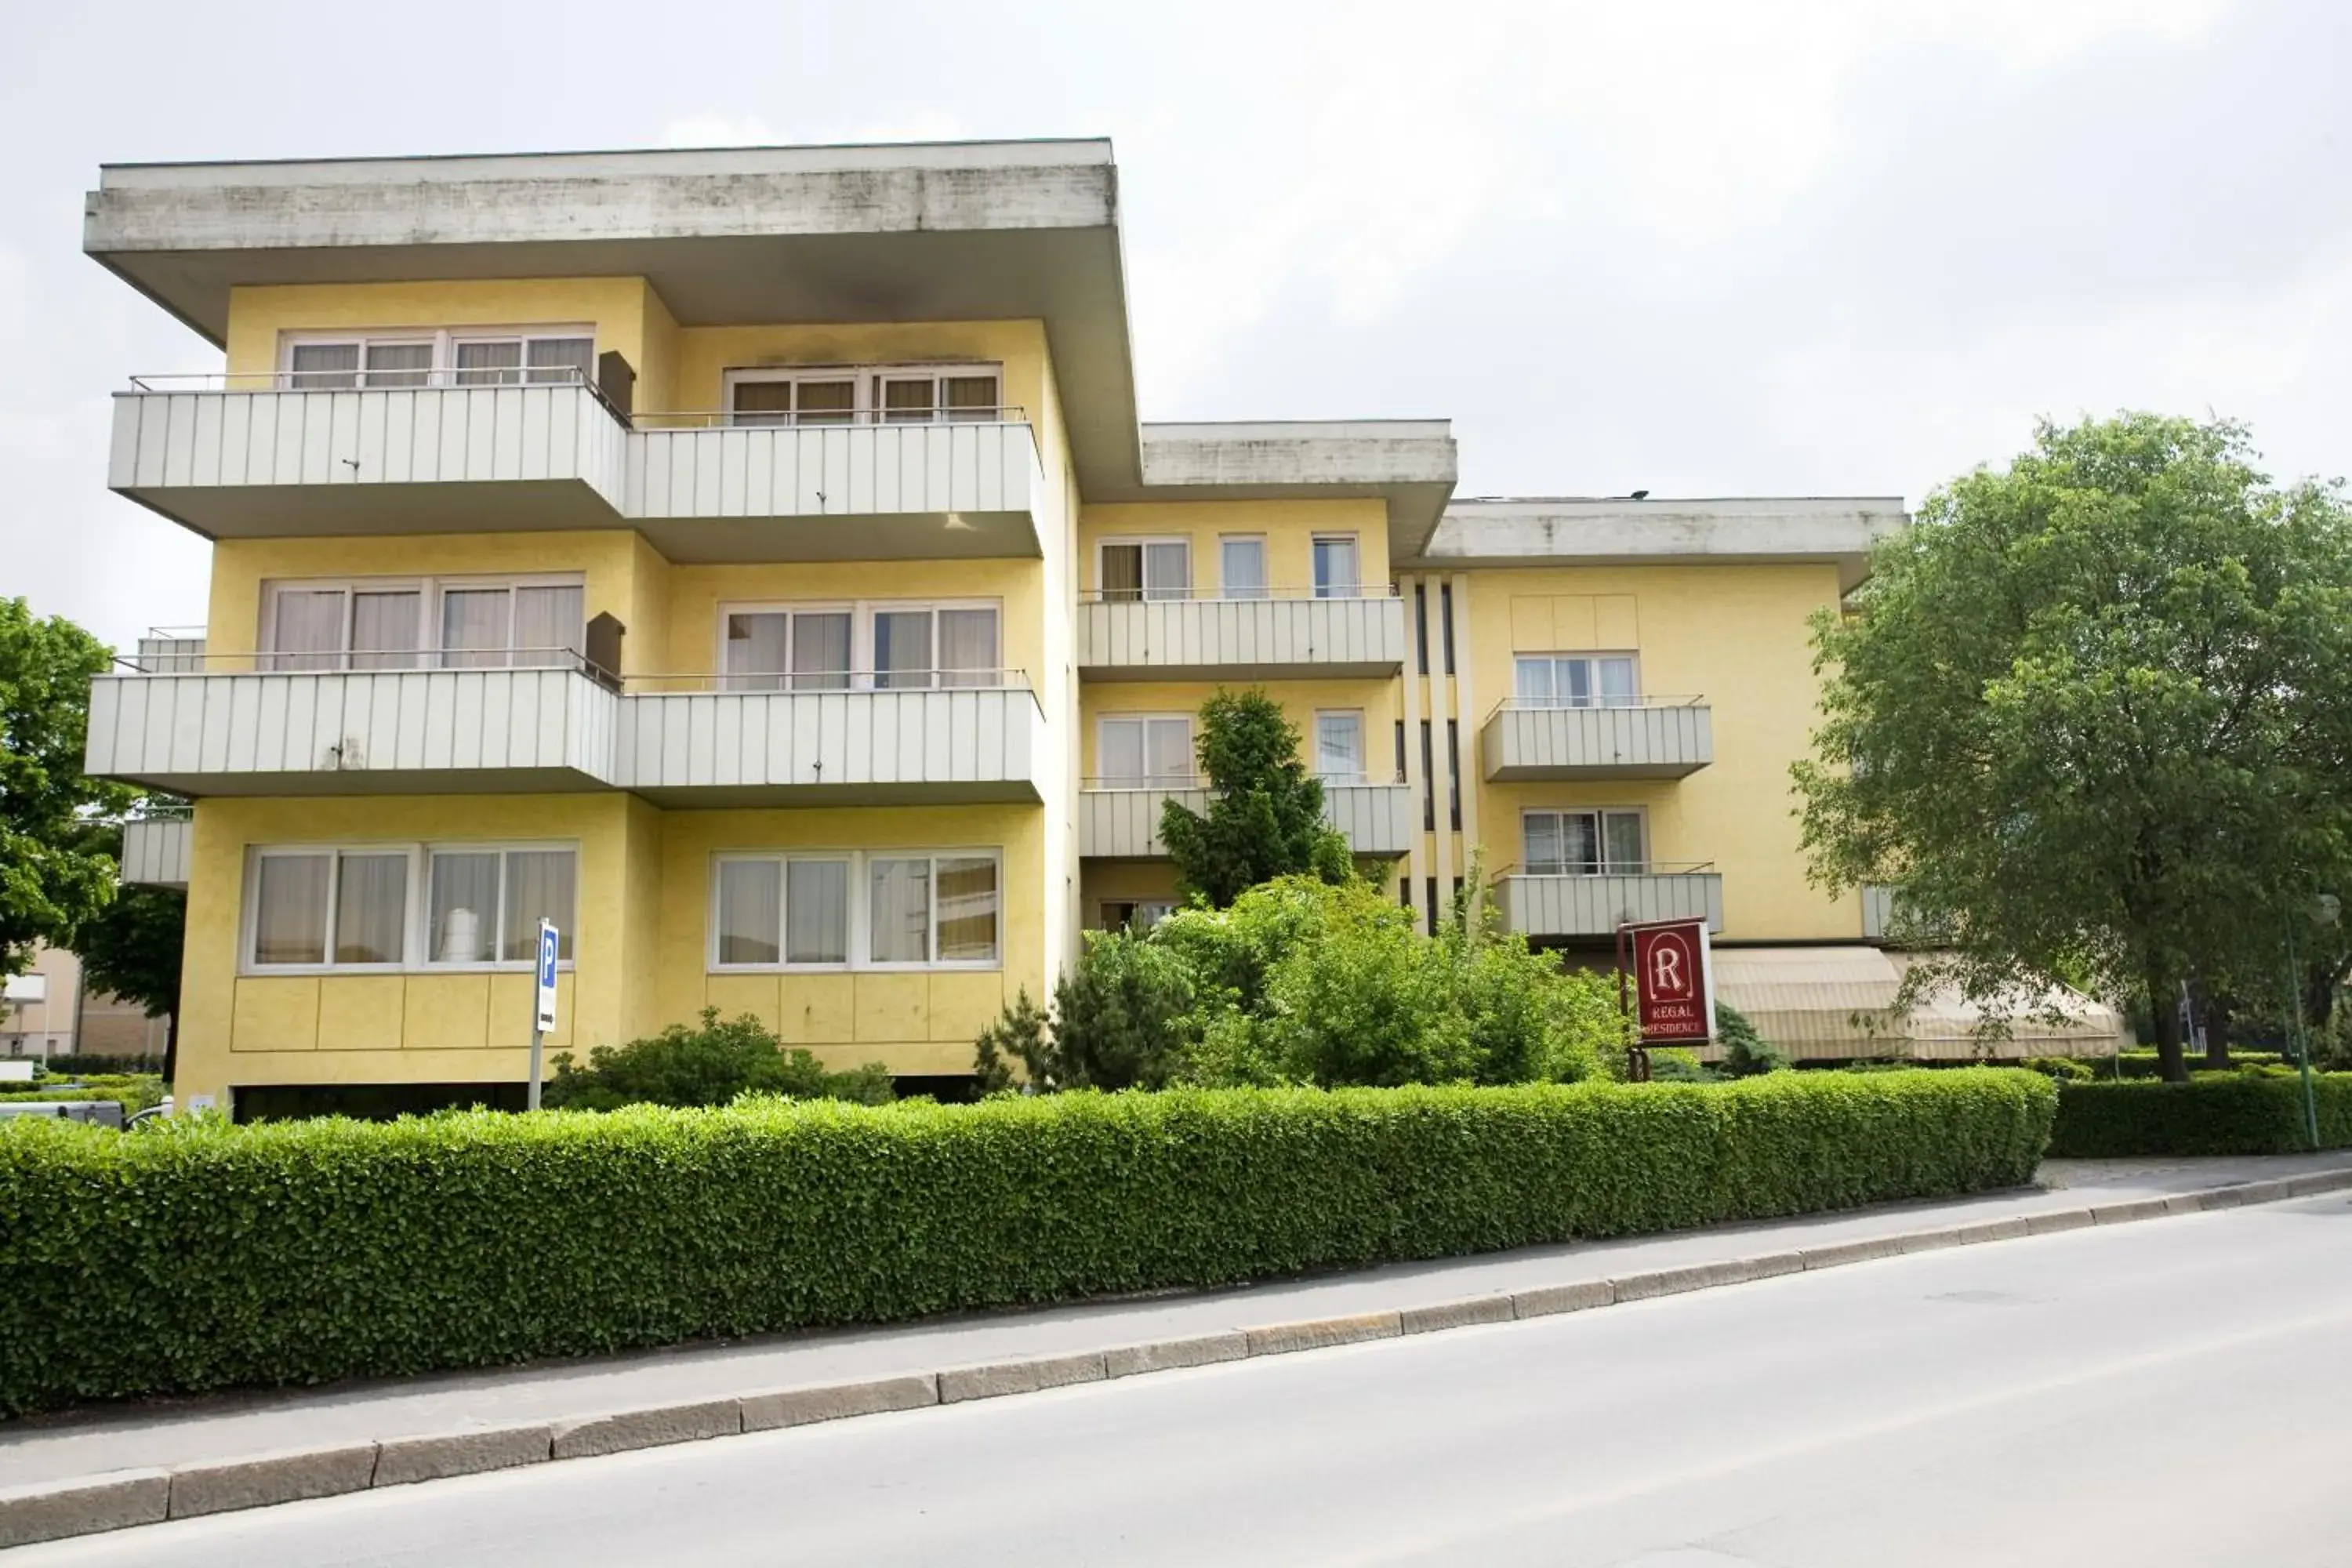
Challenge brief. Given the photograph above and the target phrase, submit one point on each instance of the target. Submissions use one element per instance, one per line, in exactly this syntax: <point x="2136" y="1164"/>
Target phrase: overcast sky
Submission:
<point x="1750" y="248"/>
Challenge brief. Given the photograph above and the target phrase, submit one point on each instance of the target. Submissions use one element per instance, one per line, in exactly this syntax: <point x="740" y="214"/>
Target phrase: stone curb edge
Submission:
<point x="117" y="1500"/>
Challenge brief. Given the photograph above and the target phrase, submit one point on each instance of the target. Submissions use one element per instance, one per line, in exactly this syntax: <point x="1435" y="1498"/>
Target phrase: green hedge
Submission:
<point x="2144" y="1064"/>
<point x="204" y="1257"/>
<point x="2252" y="1112"/>
<point x="135" y="1092"/>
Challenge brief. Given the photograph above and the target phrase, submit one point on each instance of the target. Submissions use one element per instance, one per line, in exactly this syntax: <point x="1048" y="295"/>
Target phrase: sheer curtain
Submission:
<point x="1119" y="753"/>
<point x="1168" y="747"/>
<point x="751" y="909"/>
<point x="399" y="364"/>
<point x="324" y="366"/>
<point x="547" y="625"/>
<point x="306" y="629"/>
<point x="1242" y="566"/>
<point x="1617" y="689"/>
<point x="289" y="908"/>
<point x="474" y="623"/>
<point x="1335" y="569"/>
<point x="1625" y="852"/>
<point x="902" y="649"/>
<point x="539" y="886"/>
<point x="371" y="907"/>
<point x="1168" y="569"/>
<point x="755" y="651"/>
<point x="561" y="360"/>
<point x="967" y="911"/>
<point x="817" y="912"/>
<point x="821" y="650"/>
<point x="383" y="630"/>
<point x="490" y="364"/>
<point x="1339" y="746"/>
<point x="461" y="907"/>
<point x="899" y="911"/>
<point x="968" y="647"/>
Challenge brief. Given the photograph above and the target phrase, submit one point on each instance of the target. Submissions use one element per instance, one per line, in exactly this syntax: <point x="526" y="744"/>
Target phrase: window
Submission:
<point x="845" y="395"/>
<point x="848" y="909"/>
<point x="1241" y="568"/>
<point x="1576" y="681"/>
<point x="464" y="357"/>
<point x="1340" y="745"/>
<point x="1132" y="569"/>
<point x="1454" y="772"/>
<point x="1428" y="780"/>
<point x="484" y="904"/>
<point x="1135" y="914"/>
<point x="1336" y="575"/>
<point x="1445" y="620"/>
<point x="376" y="624"/>
<point x="823" y="647"/>
<point x="1421" y="628"/>
<point x="1141" y="753"/>
<point x="1583" y="843"/>
<point x="350" y="908"/>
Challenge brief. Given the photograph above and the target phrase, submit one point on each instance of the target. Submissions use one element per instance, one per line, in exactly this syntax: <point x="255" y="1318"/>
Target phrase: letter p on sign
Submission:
<point x="547" y="945"/>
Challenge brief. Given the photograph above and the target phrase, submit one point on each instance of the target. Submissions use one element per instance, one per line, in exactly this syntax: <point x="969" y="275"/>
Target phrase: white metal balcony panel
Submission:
<point x="1596" y="906"/>
<point x="861" y="492"/>
<point x="1241" y="639"/>
<point x="1653" y="741"/>
<point x="155" y="851"/>
<point x="361" y="732"/>
<point x="270" y="463"/>
<point x="853" y="748"/>
<point x="1124" y="823"/>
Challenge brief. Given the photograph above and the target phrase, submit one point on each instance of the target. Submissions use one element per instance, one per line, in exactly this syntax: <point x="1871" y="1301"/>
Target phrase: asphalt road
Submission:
<point x="2171" y="1393"/>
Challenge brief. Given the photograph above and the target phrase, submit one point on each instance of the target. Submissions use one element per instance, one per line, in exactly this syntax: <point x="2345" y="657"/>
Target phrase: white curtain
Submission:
<point x="1243" y="568"/>
<point x="751" y="905"/>
<point x="1617" y="683"/>
<point x="399" y="364"/>
<point x="968" y="647"/>
<point x="821" y="650"/>
<point x="547" y="625"/>
<point x="474" y="623"/>
<point x="383" y="630"/>
<point x="290" y="912"/>
<point x="1119" y="758"/>
<point x="496" y="363"/>
<point x="817" y="912"/>
<point x="307" y="630"/>
<point x="1339" y="746"/>
<point x="1168" y="746"/>
<point x="1625" y="852"/>
<point x="539" y="886"/>
<point x="371" y="907"/>
<point x="1168" y="571"/>
<point x="1335" y="569"/>
<point x="902" y="649"/>
<point x="755" y="651"/>
<point x="898" y="910"/>
<point x="462" y="907"/>
<point x="1534" y="682"/>
<point x="562" y="360"/>
<point x="324" y="365"/>
<point x="967" y="911"/>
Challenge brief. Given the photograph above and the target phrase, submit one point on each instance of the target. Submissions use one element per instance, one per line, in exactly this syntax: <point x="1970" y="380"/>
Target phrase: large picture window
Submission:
<point x="423" y="624"/>
<point x="883" y="395"/>
<point x="847" y="909"/>
<point x="1584" y="843"/>
<point x="831" y="647"/>
<point x="457" y="356"/>
<point x="1576" y="681"/>
<point x="1144" y="752"/>
<point x="1132" y="569"/>
<point x="407" y="906"/>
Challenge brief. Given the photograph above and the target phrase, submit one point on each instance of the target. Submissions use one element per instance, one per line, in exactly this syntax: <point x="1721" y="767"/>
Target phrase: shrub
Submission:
<point x="303" y="1251"/>
<point x="1119" y="1021"/>
<point x="2065" y="1069"/>
<point x="1745" y="1053"/>
<point x="2144" y="1064"/>
<point x="707" y="1066"/>
<point x="2258" y="1111"/>
<point x="134" y="1091"/>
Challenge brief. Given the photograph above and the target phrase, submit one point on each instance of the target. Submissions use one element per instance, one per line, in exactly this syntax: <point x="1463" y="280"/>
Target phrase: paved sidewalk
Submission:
<point x="174" y="1433"/>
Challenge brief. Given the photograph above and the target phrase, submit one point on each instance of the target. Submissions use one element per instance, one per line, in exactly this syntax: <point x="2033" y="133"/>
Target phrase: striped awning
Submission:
<point x="1823" y="1004"/>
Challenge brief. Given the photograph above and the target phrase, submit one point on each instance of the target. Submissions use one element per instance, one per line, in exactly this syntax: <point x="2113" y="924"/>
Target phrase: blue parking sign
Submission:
<point x="547" y="945"/>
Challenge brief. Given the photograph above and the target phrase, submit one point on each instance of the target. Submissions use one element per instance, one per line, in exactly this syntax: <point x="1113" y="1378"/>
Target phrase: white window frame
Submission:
<point x="444" y="369"/>
<point x="861" y="632"/>
<point x="1592" y="656"/>
<point x="428" y="651"/>
<point x="1600" y="828"/>
<point x="416" y="923"/>
<point x="866" y="397"/>
<point x="1339" y="590"/>
<point x="1265" y="589"/>
<point x="1191" y="771"/>
<point x="860" y="911"/>
<point x="1165" y="907"/>
<point x="1363" y="773"/>
<point x="1144" y="541"/>
<point x="793" y="611"/>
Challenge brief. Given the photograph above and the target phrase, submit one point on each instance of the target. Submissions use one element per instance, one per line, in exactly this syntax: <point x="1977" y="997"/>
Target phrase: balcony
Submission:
<point x="1290" y="636"/>
<point x="236" y="726"/>
<point x="249" y="457"/>
<point x="1595" y="905"/>
<point x="263" y="456"/>
<point x="1657" y="737"/>
<point x="1117" y="823"/>
<point x="904" y="739"/>
<point x="156" y="850"/>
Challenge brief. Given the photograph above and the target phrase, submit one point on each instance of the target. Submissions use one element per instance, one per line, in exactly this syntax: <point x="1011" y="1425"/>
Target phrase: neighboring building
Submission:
<point x="51" y="1012"/>
<point x="753" y="561"/>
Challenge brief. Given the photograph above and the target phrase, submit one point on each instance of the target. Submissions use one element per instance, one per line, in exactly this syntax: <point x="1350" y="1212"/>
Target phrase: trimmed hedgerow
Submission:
<point x="2257" y="1111"/>
<point x="205" y="1257"/>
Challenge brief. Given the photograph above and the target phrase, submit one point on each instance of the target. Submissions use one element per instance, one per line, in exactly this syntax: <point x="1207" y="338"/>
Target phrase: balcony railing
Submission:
<point x="1118" y="818"/>
<point x="393" y="721"/>
<point x="155" y="848"/>
<point x="1528" y="739"/>
<point x="441" y="449"/>
<point x="1154" y="633"/>
<point x="1596" y="904"/>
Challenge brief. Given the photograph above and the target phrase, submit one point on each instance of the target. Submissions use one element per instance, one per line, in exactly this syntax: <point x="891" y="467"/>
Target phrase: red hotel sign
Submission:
<point x="1674" y="978"/>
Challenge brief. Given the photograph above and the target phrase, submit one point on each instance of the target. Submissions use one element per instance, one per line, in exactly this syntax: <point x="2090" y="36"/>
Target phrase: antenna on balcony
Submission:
<point x="353" y="464"/>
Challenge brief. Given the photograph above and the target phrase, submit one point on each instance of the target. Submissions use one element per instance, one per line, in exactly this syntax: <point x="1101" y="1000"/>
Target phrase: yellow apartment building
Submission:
<point x="754" y="562"/>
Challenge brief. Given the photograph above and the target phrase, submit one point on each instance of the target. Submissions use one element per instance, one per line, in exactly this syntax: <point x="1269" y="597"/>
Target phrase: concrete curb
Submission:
<point x="86" y="1505"/>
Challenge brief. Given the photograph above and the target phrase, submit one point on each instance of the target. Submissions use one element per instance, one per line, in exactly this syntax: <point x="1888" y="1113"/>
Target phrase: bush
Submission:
<point x="134" y="1091"/>
<point x="2256" y="1111"/>
<point x="1745" y="1053"/>
<point x="121" y="1067"/>
<point x="707" y="1066"/>
<point x="2143" y="1064"/>
<point x="304" y="1251"/>
<point x="2065" y="1069"/>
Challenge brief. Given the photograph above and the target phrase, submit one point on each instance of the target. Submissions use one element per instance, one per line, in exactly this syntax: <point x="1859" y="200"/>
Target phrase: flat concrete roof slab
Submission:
<point x="1409" y="463"/>
<point x="1620" y="530"/>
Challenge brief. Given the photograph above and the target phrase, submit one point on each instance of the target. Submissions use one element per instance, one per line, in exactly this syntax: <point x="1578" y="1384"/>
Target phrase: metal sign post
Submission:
<point x="543" y="1016"/>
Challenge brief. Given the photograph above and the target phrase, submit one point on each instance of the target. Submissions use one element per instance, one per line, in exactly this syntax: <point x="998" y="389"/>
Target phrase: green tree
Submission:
<point x="2093" y="715"/>
<point x="1120" y="1020"/>
<point x="56" y="869"/>
<point x="1266" y="810"/>
<point x="132" y="949"/>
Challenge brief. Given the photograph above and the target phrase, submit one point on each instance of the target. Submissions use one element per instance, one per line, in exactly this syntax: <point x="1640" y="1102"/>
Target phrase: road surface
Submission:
<point x="2169" y="1392"/>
